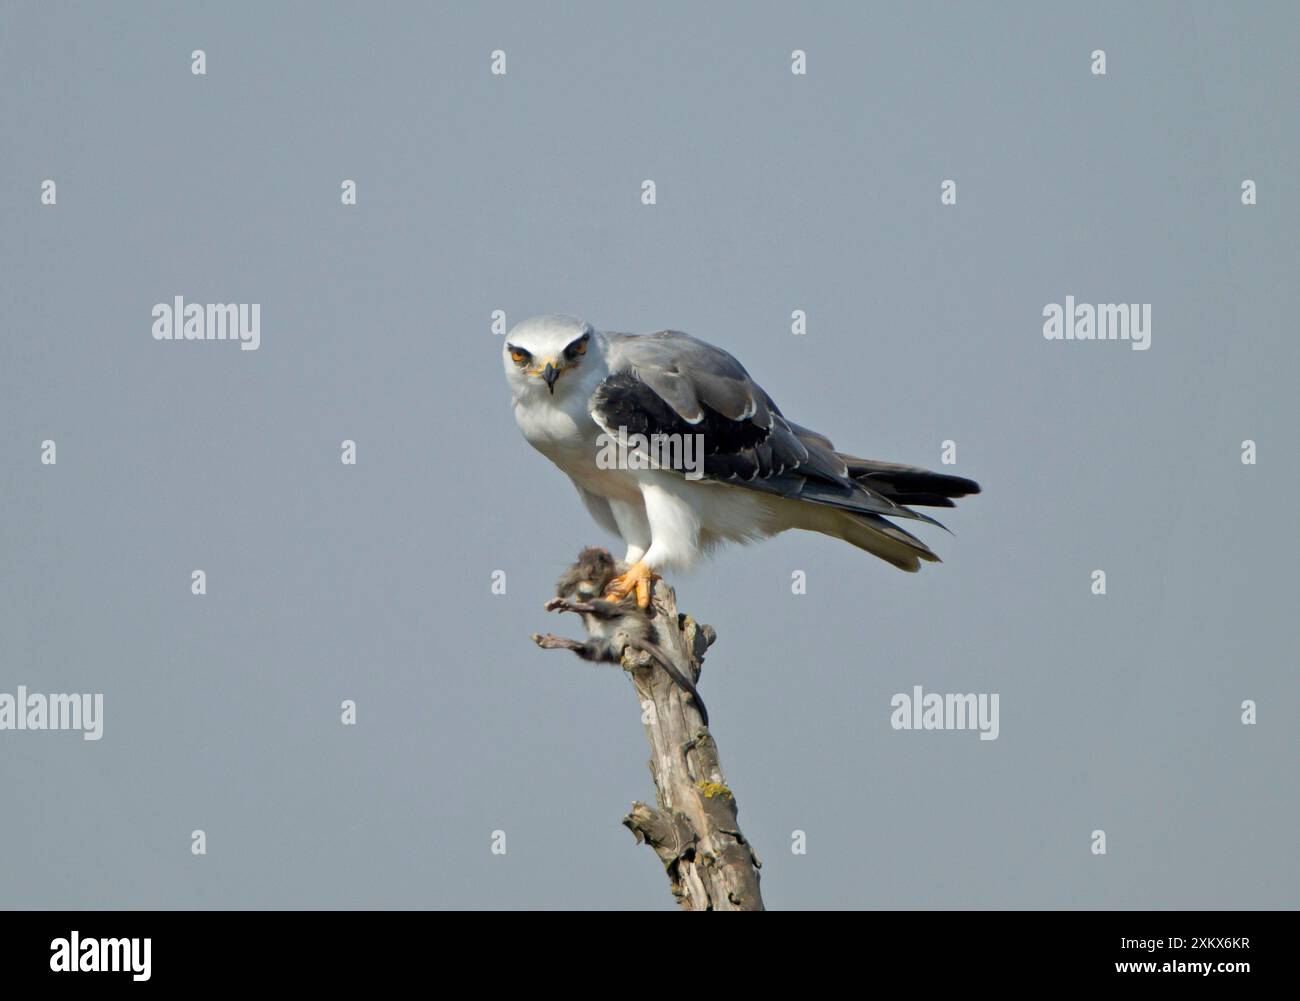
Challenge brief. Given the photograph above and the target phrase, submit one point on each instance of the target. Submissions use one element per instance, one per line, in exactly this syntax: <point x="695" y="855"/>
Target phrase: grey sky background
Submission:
<point x="521" y="193"/>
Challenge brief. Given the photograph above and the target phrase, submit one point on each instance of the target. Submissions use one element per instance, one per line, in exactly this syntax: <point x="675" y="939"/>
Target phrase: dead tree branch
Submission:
<point x="693" y="830"/>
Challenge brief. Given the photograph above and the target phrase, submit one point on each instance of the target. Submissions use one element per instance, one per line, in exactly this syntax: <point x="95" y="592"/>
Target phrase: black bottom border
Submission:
<point x="376" y="948"/>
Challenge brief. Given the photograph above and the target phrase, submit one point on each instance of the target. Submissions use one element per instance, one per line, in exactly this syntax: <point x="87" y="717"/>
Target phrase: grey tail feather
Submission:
<point x="886" y="540"/>
<point x="909" y="484"/>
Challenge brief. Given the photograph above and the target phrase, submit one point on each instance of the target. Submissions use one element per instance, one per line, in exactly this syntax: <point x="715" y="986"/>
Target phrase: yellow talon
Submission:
<point x="636" y="580"/>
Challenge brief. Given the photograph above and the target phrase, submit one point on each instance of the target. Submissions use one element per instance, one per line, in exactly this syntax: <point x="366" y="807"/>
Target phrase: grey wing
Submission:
<point x="672" y="383"/>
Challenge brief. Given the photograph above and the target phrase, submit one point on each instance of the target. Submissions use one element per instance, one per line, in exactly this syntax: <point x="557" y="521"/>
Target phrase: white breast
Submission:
<point x="555" y="428"/>
<point x="565" y="433"/>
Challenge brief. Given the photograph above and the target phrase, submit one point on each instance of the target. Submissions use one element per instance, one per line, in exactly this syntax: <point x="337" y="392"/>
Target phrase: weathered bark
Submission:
<point x="710" y="865"/>
<point x="694" y="831"/>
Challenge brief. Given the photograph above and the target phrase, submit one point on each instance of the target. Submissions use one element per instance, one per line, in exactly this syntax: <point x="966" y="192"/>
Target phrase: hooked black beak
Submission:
<point x="550" y="374"/>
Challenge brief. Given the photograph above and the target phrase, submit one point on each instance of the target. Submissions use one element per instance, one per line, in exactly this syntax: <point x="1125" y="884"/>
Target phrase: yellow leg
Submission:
<point x="636" y="580"/>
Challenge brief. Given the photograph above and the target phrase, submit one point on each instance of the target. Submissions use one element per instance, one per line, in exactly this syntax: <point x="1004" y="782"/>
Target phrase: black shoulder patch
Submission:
<point x="730" y="448"/>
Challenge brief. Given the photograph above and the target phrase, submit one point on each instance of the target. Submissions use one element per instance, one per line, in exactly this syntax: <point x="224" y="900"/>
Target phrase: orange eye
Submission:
<point x="519" y="357"/>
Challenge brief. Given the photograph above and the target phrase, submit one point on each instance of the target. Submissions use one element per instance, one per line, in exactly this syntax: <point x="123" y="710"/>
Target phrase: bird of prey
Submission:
<point x="576" y="388"/>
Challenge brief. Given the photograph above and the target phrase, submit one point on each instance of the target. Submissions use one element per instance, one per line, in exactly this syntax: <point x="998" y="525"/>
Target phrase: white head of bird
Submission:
<point x="549" y="358"/>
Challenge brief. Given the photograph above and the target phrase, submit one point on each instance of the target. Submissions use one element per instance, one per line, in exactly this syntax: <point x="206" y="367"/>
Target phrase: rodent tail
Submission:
<point x="683" y="682"/>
